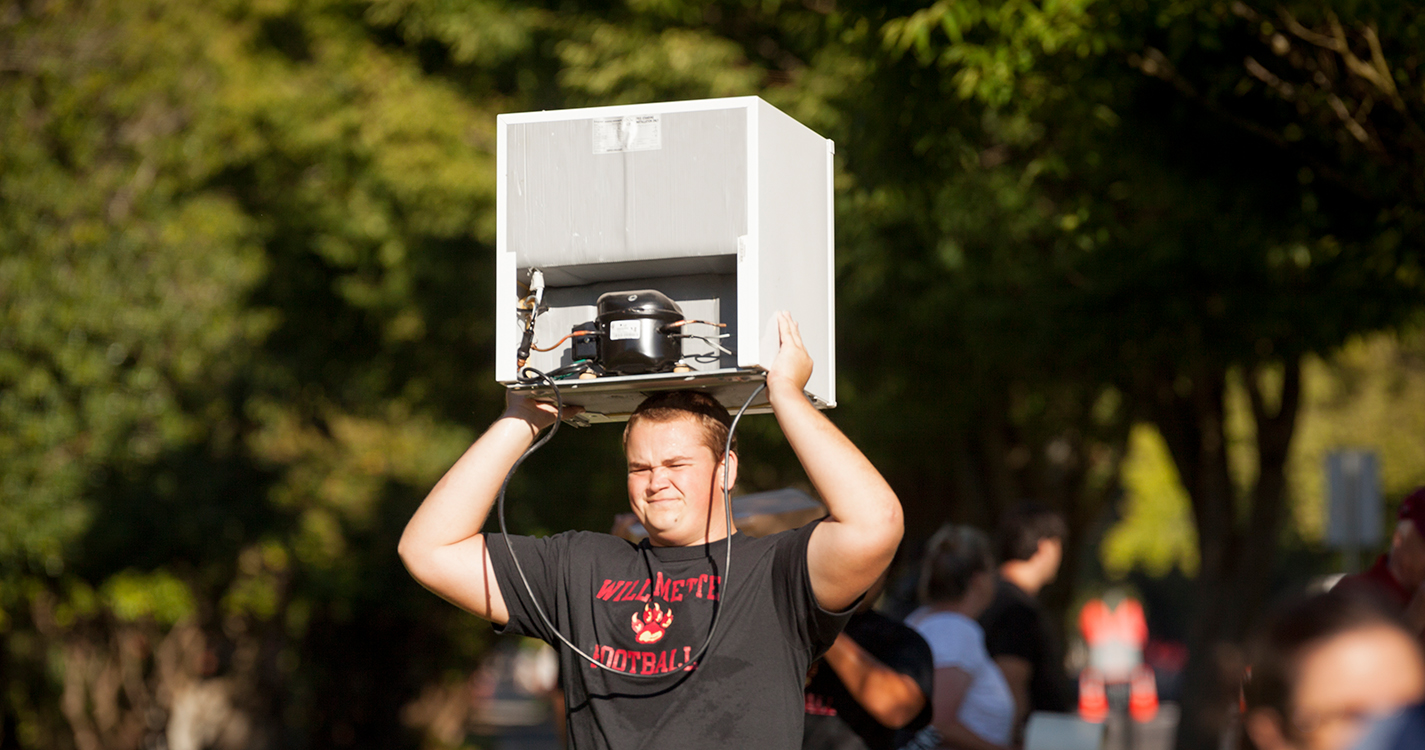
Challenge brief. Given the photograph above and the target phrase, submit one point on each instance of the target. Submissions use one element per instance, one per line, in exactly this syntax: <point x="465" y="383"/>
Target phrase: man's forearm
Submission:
<point x="892" y="698"/>
<point x="864" y="523"/>
<point x="848" y="551"/>
<point x="854" y="491"/>
<point x="442" y="546"/>
<point x="456" y="508"/>
<point x="1017" y="671"/>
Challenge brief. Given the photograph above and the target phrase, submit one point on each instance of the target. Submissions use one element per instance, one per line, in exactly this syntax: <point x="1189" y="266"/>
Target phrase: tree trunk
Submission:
<point x="1269" y="496"/>
<point x="1237" y="539"/>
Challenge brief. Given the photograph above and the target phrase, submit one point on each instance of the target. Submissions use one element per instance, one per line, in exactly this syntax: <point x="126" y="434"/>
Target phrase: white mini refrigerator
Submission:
<point x="651" y="245"/>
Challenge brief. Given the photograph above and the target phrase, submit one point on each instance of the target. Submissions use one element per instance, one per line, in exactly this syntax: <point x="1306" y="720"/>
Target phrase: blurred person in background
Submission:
<point x="1018" y="633"/>
<point x="972" y="708"/>
<point x="1323" y="667"/>
<point x="1399" y="574"/>
<point x="872" y="686"/>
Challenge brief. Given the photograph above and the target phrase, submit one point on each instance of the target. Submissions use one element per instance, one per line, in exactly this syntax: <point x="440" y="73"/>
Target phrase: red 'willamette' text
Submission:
<point x="668" y="589"/>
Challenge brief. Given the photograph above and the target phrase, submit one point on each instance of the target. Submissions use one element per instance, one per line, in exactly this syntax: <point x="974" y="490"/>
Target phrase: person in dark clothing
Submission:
<point x="1018" y="633"/>
<point x="872" y="687"/>
<point x="1399" y="575"/>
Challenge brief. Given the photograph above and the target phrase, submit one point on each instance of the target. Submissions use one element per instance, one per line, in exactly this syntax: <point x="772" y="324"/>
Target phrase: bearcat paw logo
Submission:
<point x="652" y="623"/>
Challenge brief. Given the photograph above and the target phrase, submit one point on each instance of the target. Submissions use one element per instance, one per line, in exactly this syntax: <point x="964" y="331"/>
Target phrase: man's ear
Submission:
<point x="1264" y="729"/>
<point x="731" y="471"/>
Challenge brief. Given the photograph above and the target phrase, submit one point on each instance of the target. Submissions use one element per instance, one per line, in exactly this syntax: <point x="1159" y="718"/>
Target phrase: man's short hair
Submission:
<point x="1025" y="526"/>
<point x="952" y="557"/>
<point x="711" y="416"/>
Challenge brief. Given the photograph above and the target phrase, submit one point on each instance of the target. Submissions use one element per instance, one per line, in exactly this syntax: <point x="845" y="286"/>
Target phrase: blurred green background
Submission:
<point x="1145" y="261"/>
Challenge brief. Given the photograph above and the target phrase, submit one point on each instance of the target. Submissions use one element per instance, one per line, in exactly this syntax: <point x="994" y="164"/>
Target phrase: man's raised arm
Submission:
<point x="848" y="550"/>
<point x="442" y="546"/>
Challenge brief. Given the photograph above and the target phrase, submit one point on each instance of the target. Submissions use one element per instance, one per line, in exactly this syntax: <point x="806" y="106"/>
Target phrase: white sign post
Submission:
<point x="1355" y="509"/>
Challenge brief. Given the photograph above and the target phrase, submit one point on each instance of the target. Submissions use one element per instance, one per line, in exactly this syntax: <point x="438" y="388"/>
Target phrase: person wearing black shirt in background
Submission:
<point x="872" y="687"/>
<point x="1018" y="633"/>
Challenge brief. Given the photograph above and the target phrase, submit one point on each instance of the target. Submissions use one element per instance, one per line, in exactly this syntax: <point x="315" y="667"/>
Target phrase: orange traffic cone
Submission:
<point x="1143" y="694"/>
<point x="1093" y="698"/>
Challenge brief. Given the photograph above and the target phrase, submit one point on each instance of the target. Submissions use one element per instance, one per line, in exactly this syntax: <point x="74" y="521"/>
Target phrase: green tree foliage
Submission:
<point x="1144" y="204"/>
<point x="1370" y="395"/>
<point x="246" y="250"/>
<point x="225" y="229"/>
<point x="1156" y="533"/>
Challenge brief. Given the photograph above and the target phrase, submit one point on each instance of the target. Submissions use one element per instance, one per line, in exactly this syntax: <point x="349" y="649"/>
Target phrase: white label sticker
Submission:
<point x="628" y="133"/>
<point x="624" y="329"/>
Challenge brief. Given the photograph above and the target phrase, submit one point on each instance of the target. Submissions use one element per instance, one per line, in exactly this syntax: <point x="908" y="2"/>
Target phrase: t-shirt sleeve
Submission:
<point x="815" y="626"/>
<point x="542" y="560"/>
<point x="1016" y="632"/>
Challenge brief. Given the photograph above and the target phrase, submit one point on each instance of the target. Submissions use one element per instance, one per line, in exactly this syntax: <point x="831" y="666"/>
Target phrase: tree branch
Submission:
<point x="1154" y="63"/>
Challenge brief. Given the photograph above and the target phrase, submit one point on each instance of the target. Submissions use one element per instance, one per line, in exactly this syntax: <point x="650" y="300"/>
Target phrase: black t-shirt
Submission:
<point x="1015" y="625"/>
<point x="835" y="721"/>
<point x="647" y="609"/>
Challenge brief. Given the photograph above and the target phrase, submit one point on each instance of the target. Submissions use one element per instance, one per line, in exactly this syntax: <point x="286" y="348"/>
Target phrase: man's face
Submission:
<point x="1407" y="554"/>
<point x="1051" y="552"/>
<point x="672" y="478"/>
<point x="1350" y="678"/>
